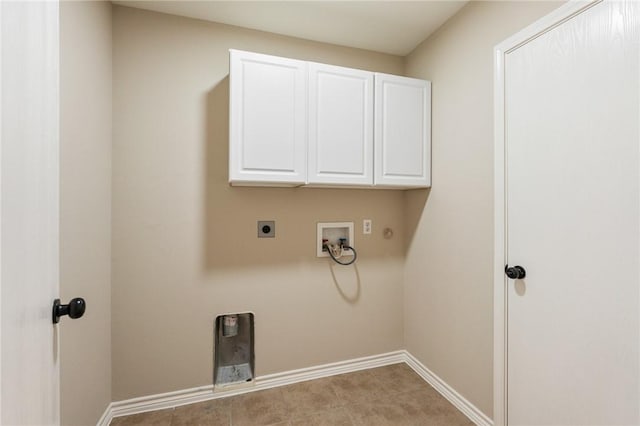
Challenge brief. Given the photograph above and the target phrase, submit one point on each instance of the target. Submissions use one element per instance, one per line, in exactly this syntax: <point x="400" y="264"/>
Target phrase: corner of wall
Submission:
<point x="449" y="308"/>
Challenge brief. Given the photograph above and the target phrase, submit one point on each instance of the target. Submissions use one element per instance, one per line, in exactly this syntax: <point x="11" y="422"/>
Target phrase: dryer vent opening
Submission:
<point x="234" y="359"/>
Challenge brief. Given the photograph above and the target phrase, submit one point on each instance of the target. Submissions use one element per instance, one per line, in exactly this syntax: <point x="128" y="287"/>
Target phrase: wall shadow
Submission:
<point x="230" y="213"/>
<point x="415" y="201"/>
<point x="353" y="295"/>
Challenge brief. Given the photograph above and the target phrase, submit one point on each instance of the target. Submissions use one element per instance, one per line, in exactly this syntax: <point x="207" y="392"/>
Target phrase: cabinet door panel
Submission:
<point x="267" y="119"/>
<point x="402" y="131"/>
<point x="340" y="126"/>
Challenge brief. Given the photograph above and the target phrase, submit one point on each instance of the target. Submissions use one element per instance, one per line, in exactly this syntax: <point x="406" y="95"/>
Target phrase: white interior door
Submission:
<point x="29" y="212"/>
<point x="572" y="113"/>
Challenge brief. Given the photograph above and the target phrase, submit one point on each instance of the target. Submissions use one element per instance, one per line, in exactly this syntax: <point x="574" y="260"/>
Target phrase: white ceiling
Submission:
<point x="394" y="27"/>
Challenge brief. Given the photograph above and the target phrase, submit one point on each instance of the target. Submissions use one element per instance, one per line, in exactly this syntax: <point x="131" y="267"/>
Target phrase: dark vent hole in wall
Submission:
<point x="234" y="359"/>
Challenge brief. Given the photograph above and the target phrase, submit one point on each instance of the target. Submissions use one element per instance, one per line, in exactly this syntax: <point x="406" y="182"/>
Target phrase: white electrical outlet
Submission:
<point x="366" y="226"/>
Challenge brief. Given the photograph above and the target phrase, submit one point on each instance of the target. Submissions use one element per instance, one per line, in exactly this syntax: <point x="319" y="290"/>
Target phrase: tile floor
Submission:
<point x="391" y="395"/>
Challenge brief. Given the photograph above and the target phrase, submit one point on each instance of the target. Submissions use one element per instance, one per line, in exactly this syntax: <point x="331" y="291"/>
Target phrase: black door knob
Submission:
<point x="515" y="272"/>
<point x="75" y="309"/>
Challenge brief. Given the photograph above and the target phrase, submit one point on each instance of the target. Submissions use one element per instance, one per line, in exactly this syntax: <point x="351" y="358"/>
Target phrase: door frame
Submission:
<point x="533" y="31"/>
<point x="1" y="116"/>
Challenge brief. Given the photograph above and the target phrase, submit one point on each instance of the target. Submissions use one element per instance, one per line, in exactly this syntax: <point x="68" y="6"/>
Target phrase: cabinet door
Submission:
<point x="267" y="120"/>
<point x="340" y="126"/>
<point x="402" y="132"/>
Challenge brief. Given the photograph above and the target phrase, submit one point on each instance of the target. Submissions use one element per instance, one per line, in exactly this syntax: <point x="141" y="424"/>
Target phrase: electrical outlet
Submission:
<point x="266" y="229"/>
<point x="366" y="226"/>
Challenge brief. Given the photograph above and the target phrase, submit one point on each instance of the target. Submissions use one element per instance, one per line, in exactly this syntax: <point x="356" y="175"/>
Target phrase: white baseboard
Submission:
<point x="205" y="393"/>
<point x="458" y="401"/>
<point x="107" y="416"/>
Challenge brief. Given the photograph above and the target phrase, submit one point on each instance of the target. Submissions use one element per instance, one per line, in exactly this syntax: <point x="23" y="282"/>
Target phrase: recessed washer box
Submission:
<point x="332" y="232"/>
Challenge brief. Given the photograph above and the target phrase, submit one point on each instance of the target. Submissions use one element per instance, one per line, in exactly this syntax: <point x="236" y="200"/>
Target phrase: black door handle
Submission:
<point x="515" y="272"/>
<point x="75" y="309"/>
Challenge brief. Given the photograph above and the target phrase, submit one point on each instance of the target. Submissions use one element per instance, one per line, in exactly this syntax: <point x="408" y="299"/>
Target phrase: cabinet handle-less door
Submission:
<point x="402" y="132"/>
<point x="267" y="120"/>
<point x="340" y="126"/>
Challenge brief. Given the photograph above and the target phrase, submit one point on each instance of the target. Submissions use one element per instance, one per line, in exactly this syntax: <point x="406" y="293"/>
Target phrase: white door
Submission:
<point x="572" y="118"/>
<point x="340" y="126"/>
<point x="402" y="132"/>
<point x="29" y="212"/>
<point x="268" y="118"/>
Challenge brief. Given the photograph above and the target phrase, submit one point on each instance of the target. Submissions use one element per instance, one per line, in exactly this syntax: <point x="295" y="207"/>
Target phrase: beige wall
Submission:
<point x="449" y="230"/>
<point x="184" y="242"/>
<point x="184" y="245"/>
<point x="85" y="208"/>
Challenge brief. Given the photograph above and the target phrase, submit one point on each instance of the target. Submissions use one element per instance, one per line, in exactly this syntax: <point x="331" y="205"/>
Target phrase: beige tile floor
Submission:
<point x="391" y="395"/>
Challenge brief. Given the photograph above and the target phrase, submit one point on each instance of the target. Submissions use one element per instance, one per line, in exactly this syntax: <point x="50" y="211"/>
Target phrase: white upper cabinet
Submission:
<point x="294" y="123"/>
<point x="340" y="126"/>
<point x="402" y="132"/>
<point x="267" y="120"/>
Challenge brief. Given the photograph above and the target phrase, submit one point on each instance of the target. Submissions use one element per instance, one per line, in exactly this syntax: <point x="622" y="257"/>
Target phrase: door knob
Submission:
<point x="75" y="309"/>
<point x="515" y="272"/>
